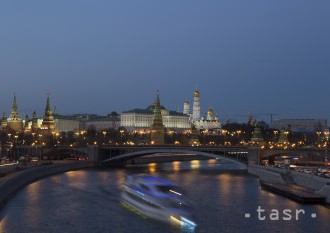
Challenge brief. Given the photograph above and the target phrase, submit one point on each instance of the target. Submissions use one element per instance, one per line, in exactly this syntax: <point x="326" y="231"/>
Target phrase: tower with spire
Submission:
<point x="157" y="127"/>
<point x="26" y="123"/>
<point x="48" y="124"/>
<point x="14" y="121"/>
<point x="196" y="116"/>
<point x="35" y="125"/>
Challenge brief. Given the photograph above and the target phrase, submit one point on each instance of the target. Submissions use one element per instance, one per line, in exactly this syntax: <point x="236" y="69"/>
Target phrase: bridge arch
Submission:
<point x="138" y="154"/>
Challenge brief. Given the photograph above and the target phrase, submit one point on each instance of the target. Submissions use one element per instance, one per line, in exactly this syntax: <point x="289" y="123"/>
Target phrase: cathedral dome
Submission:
<point x="196" y="93"/>
<point x="210" y="112"/>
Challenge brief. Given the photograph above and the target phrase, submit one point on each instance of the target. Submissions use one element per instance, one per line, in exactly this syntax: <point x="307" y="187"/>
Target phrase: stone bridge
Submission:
<point x="119" y="155"/>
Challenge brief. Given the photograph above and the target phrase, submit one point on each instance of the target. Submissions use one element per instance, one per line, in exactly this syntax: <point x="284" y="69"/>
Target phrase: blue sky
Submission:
<point x="100" y="56"/>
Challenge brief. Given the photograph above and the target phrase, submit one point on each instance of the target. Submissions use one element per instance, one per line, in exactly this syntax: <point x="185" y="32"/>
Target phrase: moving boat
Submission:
<point x="158" y="199"/>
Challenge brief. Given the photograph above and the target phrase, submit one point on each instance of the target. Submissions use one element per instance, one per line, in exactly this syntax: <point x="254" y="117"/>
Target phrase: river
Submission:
<point x="88" y="201"/>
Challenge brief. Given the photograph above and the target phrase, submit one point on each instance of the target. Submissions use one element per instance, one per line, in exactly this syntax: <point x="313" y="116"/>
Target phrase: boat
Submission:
<point x="158" y="199"/>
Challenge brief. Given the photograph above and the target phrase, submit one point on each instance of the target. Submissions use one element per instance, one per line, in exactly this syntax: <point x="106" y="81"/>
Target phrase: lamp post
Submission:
<point x="326" y="134"/>
<point x="121" y="136"/>
<point x="104" y="134"/>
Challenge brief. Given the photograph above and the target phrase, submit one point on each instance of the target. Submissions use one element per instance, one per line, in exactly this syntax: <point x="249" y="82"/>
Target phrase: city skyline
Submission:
<point x="108" y="56"/>
<point x="267" y="117"/>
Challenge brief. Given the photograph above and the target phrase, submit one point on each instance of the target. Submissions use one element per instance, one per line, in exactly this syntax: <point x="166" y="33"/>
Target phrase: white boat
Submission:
<point x="158" y="199"/>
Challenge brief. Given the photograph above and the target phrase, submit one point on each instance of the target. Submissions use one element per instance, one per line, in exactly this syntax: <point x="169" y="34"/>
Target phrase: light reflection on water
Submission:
<point x="88" y="201"/>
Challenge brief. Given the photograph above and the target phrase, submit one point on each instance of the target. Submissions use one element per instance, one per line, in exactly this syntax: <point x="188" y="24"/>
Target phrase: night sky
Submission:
<point x="259" y="56"/>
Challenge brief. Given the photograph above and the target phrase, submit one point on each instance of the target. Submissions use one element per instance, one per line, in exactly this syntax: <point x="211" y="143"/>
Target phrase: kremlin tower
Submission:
<point x="196" y="116"/>
<point x="48" y="123"/>
<point x="35" y="125"/>
<point x="157" y="128"/>
<point x="14" y="121"/>
<point x="26" y="123"/>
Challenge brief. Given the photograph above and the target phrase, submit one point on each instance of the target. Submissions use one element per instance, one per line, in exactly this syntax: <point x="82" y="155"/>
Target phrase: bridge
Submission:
<point x="112" y="155"/>
<point x="121" y="155"/>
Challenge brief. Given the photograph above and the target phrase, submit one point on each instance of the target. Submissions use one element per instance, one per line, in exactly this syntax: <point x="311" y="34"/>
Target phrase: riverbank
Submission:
<point x="315" y="184"/>
<point x="13" y="182"/>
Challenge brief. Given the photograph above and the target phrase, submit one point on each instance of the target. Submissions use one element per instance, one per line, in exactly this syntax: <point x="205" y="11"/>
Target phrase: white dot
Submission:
<point x="313" y="215"/>
<point x="247" y="215"/>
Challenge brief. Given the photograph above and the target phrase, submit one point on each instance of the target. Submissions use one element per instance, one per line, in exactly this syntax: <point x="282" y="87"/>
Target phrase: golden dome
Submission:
<point x="210" y="112"/>
<point x="196" y="93"/>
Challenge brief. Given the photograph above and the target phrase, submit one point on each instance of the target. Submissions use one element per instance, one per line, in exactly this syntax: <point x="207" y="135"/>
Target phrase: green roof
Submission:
<point x="62" y="117"/>
<point x="140" y="111"/>
<point x="150" y="112"/>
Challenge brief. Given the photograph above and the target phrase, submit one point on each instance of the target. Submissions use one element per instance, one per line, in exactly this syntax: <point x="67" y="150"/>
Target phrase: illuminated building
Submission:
<point x="211" y="121"/>
<point x="142" y="119"/>
<point x="186" y="107"/>
<point x="196" y="116"/>
<point x="111" y="121"/>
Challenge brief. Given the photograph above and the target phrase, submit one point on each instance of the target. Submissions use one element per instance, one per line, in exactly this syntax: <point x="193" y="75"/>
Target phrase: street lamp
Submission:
<point x="104" y="134"/>
<point x="121" y="135"/>
<point x="326" y="134"/>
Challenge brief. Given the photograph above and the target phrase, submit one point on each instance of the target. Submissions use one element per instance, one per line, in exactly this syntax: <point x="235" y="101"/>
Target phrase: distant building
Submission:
<point x="66" y="123"/>
<point x="211" y="121"/>
<point x="302" y="125"/>
<point x="142" y="119"/>
<point x="111" y="121"/>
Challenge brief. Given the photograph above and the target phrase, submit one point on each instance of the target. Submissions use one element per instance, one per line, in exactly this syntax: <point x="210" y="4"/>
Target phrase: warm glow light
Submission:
<point x="152" y="167"/>
<point x="176" y="166"/>
<point x="195" y="164"/>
